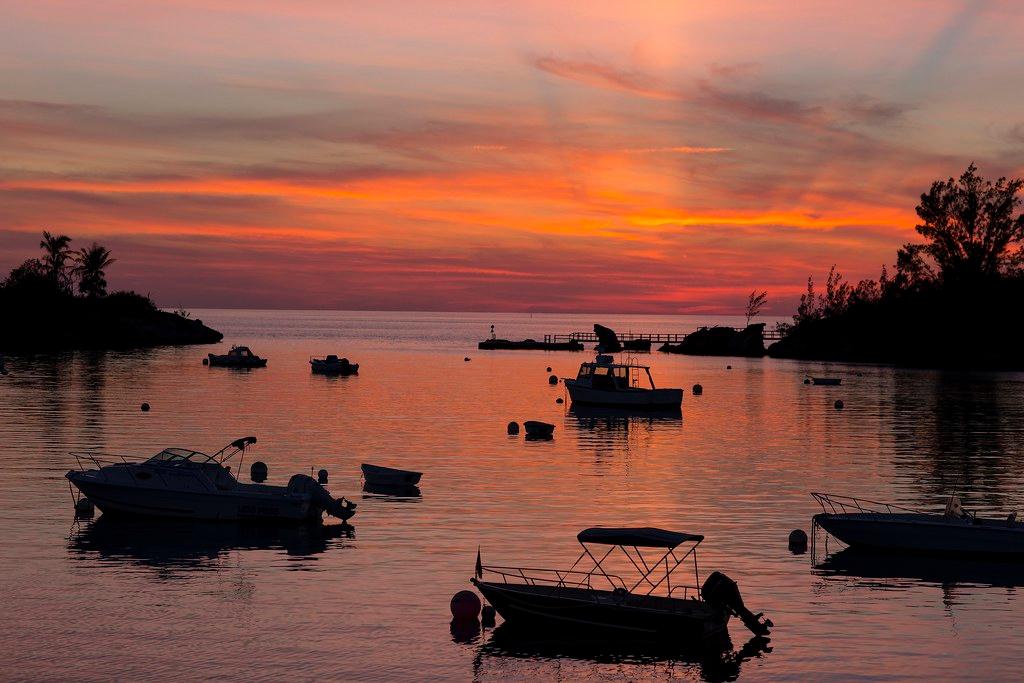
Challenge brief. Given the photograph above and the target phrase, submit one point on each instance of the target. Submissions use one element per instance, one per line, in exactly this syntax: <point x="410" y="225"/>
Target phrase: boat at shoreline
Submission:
<point x="332" y="365"/>
<point x="597" y="599"/>
<point x="182" y="483"/>
<point x="604" y="382"/>
<point x="237" y="357"/>
<point x="871" y="525"/>
<point x="528" y="345"/>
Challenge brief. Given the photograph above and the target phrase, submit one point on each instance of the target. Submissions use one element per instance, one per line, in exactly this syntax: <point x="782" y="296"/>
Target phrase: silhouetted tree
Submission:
<point x="90" y="265"/>
<point x="755" y="303"/>
<point x="808" y="308"/>
<point x="55" y="258"/>
<point x="970" y="226"/>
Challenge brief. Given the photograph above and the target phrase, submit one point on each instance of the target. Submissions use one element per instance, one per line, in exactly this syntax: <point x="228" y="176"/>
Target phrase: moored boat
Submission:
<point x="604" y="382"/>
<point x="827" y="381"/>
<point x="595" y="598"/>
<point x="182" y="483"/>
<point x="871" y="525"/>
<point x="376" y="475"/>
<point x="237" y="357"/>
<point x="332" y="365"/>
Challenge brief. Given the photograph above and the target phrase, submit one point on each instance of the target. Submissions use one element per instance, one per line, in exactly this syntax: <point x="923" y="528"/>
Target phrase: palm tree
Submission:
<point x="90" y="263"/>
<point x="56" y="257"/>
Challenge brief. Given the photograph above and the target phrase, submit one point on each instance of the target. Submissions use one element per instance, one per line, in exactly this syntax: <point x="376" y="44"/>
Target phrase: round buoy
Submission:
<point x="513" y="428"/>
<point x="487" y="615"/>
<point x="144" y="407"/>
<point x="559" y="400"/>
<point x="465" y="605"/>
<point x="549" y="369"/>
<point x="258" y="471"/>
<point x="807" y="381"/>
<point x="697" y="390"/>
<point x="84" y="508"/>
<point x="466" y="359"/>
<point x="553" y="380"/>
<point x="206" y="361"/>
<point x="728" y="367"/>
<point x="321" y="477"/>
<point x="798" y="540"/>
<point x="839" y="405"/>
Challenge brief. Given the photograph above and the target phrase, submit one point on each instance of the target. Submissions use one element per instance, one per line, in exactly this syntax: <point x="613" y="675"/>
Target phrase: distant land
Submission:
<point x="40" y="310"/>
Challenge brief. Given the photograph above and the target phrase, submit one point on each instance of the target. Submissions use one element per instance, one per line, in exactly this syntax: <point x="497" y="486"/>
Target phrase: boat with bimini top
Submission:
<point x="596" y="598"/>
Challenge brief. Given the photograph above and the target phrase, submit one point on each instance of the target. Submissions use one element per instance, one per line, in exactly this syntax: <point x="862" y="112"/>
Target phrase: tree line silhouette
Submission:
<point x="951" y="301"/>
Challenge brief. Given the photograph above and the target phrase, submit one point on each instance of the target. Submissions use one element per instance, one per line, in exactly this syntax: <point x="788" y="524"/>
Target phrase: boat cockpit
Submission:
<point x="609" y="376"/>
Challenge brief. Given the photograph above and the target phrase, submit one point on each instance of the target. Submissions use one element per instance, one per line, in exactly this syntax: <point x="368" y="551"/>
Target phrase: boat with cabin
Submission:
<point x="183" y="483"/>
<point x="579" y="598"/>
<point x="237" y="357"/>
<point x="604" y="382"/>
<point x="875" y="526"/>
<point x="332" y="365"/>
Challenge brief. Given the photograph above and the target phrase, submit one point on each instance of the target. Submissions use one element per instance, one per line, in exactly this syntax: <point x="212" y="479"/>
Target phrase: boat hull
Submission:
<point x="226" y="362"/>
<point x="324" y="368"/>
<point x="922" y="533"/>
<point x="155" y="502"/>
<point x="388" y="476"/>
<point x="547" y="606"/>
<point x="660" y="399"/>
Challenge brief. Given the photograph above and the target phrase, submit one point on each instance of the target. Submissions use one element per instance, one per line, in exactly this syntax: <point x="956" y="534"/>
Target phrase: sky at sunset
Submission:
<point x="661" y="157"/>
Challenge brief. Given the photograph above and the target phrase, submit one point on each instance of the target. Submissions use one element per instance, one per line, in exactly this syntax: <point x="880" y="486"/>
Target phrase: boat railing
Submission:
<point x="831" y="503"/>
<point x="100" y="460"/>
<point x="556" y="578"/>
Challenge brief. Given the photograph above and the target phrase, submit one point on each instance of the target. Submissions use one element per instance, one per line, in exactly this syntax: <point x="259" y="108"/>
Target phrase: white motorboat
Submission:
<point x="871" y="525"/>
<point x="607" y="383"/>
<point x="375" y="475"/>
<point x="182" y="483"/>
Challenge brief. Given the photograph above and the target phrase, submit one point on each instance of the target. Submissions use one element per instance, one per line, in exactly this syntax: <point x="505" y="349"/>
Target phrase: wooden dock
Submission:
<point x="769" y="335"/>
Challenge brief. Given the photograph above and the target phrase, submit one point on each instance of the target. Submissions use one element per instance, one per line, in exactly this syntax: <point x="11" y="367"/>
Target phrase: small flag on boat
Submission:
<point x="479" y="565"/>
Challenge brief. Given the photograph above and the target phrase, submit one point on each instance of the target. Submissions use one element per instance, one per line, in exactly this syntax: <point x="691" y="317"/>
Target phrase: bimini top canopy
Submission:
<point x="642" y="537"/>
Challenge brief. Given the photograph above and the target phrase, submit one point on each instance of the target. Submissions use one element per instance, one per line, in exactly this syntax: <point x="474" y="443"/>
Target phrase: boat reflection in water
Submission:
<point x="392" y="490"/>
<point x="944" y="571"/>
<point x="167" y="543"/>
<point x="511" y="648"/>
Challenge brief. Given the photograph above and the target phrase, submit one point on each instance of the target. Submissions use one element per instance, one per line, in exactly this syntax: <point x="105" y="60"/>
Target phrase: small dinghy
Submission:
<point x="826" y="381"/>
<point x="375" y="475"/>
<point x="871" y="525"/>
<point x="538" y="430"/>
<point x="237" y="357"/>
<point x="332" y="365"/>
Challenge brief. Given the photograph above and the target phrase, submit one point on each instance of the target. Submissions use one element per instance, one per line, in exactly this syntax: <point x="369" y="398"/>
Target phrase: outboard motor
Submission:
<point x="722" y="592"/>
<point x="258" y="471"/>
<point x="321" y="499"/>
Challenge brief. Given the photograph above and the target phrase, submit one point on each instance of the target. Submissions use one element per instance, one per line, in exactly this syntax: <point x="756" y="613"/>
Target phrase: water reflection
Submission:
<point x="948" y="572"/>
<point x="512" y="649"/>
<point x="163" y="543"/>
<point x="956" y="433"/>
<point x="392" y="491"/>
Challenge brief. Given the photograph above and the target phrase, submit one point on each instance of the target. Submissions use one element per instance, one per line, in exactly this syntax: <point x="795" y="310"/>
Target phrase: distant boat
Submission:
<point x="182" y="483"/>
<point x="871" y="525"/>
<point x="528" y="345"/>
<point x="332" y="365"/>
<point x="654" y="605"/>
<point x="375" y="475"/>
<point x="237" y="357"/>
<point x="606" y="383"/>
<point x="827" y="381"/>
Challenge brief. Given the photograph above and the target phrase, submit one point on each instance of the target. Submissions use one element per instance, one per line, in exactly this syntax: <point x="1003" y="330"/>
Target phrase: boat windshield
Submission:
<point x="174" y="455"/>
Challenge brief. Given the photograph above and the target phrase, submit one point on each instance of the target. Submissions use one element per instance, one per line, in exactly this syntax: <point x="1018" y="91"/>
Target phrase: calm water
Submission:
<point x="93" y="600"/>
